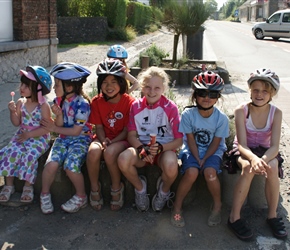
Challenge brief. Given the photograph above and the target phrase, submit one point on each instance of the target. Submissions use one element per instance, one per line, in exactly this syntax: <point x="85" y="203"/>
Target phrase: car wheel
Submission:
<point x="259" y="34"/>
<point x="276" y="38"/>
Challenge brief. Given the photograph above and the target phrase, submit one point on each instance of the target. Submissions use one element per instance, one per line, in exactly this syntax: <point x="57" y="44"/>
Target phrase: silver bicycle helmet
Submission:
<point x="265" y="75"/>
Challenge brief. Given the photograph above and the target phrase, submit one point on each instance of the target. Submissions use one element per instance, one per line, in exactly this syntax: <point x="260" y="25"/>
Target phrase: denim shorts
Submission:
<point x="188" y="161"/>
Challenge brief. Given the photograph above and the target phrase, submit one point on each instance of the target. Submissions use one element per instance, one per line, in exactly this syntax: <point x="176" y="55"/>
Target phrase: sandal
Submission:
<point x="240" y="229"/>
<point x="214" y="219"/>
<point x="277" y="227"/>
<point x="97" y="205"/>
<point x="6" y="192"/>
<point x="27" y="194"/>
<point x="120" y="202"/>
<point x="177" y="219"/>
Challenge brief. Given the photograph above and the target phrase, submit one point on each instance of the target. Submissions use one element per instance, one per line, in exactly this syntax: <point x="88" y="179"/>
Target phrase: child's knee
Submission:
<point x="124" y="160"/>
<point x="210" y="174"/>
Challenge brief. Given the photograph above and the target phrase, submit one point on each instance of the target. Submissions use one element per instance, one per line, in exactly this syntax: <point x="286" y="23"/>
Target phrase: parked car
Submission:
<point x="276" y="26"/>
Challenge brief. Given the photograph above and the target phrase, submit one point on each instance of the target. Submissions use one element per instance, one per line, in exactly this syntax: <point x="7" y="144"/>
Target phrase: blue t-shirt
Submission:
<point x="204" y="130"/>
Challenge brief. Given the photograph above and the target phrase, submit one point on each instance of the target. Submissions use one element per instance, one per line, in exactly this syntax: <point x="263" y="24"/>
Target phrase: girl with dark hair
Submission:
<point x="110" y="115"/>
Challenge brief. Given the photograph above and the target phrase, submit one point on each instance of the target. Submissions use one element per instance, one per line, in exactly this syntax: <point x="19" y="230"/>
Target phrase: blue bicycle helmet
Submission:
<point x="71" y="72"/>
<point x="42" y="77"/>
<point x="117" y="51"/>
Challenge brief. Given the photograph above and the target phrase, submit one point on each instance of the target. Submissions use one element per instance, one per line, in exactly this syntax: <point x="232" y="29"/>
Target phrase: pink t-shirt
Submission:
<point x="161" y="119"/>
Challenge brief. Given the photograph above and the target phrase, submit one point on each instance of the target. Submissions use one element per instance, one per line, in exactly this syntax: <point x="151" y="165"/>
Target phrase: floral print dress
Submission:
<point x="21" y="159"/>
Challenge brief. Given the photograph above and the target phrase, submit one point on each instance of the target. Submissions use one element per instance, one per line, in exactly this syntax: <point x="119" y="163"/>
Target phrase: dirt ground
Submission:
<point x="25" y="227"/>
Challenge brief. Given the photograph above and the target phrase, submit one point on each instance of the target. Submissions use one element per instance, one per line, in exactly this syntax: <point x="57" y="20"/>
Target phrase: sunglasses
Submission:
<point x="210" y="94"/>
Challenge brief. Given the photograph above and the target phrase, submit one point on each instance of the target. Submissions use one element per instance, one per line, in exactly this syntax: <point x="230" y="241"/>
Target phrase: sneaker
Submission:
<point x="141" y="200"/>
<point x="75" y="204"/>
<point x="159" y="199"/>
<point x="46" y="204"/>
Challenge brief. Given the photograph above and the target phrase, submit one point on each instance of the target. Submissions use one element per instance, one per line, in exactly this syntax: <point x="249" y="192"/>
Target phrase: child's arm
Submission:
<point x="257" y="164"/>
<point x="56" y="109"/>
<point x="212" y="148"/>
<point x="192" y="146"/>
<point x="46" y="114"/>
<point x="50" y="125"/>
<point x="272" y="152"/>
<point x="15" y="113"/>
<point x="122" y="136"/>
<point x="133" y="80"/>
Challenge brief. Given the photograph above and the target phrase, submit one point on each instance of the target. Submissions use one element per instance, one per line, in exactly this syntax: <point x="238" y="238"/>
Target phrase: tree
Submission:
<point x="184" y="18"/>
<point x="211" y="6"/>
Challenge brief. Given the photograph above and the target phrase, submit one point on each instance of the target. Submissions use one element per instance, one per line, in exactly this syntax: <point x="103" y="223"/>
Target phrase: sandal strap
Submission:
<point x="119" y="192"/>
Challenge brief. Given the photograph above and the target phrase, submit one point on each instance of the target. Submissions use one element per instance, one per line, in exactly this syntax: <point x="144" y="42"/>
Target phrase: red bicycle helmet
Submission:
<point x="208" y="80"/>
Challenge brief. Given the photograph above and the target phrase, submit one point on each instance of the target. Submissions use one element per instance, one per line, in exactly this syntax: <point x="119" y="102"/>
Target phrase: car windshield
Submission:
<point x="275" y="18"/>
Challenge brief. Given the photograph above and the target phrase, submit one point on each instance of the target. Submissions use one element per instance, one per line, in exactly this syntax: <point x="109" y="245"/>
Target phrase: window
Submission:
<point x="6" y="24"/>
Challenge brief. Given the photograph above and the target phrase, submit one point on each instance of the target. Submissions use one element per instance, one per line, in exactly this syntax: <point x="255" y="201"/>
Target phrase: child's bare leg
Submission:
<point x="93" y="166"/>
<point x="111" y="156"/>
<point x="168" y="164"/>
<point x="184" y="187"/>
<point x="77" y="180"/>
<point x="48" y="176"/>
<point x="272" y="188"/>
<point x="214" y="187"/>
<point x="127" y="162"/>
<point x="241" y="189"/>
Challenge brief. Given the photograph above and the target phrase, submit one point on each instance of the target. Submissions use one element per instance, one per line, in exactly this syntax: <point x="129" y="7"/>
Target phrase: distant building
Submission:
<point x="147" y="2"/>
<point x="259" y="10"/>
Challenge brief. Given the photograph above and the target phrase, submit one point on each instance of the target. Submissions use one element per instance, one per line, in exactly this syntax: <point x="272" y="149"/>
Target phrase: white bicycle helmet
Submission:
<point x="265" y="75"/>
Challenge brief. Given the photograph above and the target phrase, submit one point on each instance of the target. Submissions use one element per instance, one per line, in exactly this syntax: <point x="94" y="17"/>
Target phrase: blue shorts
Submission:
<point x="71" y="152"/>
<point x="188" y="161"/>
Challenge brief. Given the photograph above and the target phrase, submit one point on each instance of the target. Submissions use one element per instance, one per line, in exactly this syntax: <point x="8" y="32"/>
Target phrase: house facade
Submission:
<point x="260" y="10"/>
<point x="28" y="36"/>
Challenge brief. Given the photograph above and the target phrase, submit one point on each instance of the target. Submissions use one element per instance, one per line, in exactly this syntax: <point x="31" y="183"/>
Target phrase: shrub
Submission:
<point x="127" y="34"/>
<point x="155" y="54"/>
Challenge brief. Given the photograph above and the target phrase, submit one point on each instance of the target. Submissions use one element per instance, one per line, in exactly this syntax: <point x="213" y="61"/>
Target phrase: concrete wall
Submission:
<point x="34" y="38"/>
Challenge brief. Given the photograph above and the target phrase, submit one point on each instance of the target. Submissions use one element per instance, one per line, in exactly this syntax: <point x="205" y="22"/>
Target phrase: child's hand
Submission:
<point x="201" y="163"/>
<point x="153" y="149"/>
<point x="258" y="166"/>
<point x="106" y="142"/>
<point x="48" y="124"/>
<point x="56" y="109"/>
<point x="23" y="136"/>
<point x="12" y="106"/>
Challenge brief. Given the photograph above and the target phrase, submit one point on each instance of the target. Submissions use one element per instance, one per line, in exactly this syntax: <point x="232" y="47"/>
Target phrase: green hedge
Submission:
<point x="139" y="16"/>
<point x="115" y="11"/>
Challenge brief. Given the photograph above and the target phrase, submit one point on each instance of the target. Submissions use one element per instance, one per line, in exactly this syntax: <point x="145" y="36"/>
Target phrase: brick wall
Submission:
<point x="34" y="19"/>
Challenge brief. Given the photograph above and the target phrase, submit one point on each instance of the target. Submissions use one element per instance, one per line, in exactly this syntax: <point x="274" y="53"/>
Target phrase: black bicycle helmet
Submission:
<point x="111" y="66"/>
<point x="208" y="80"/>
<point x="265" y="75"/>
<point x="70" y="72"/>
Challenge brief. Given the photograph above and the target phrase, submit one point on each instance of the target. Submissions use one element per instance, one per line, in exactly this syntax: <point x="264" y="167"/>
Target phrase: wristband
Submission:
<point x="160" y="148"/>
<point x="143" y="151"/>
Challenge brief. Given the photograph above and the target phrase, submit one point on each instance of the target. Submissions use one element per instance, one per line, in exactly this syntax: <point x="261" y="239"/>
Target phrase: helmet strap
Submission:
<point x="202" y="108"/>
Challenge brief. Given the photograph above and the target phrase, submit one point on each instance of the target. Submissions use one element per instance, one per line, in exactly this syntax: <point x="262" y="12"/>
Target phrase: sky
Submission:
<point x="220" y="3"/>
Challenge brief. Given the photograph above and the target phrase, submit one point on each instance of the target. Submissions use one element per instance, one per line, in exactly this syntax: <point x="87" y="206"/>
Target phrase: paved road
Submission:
<point x="27" y="228"/>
